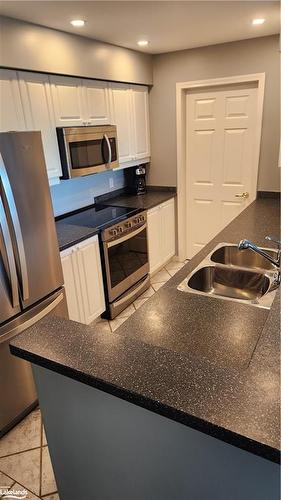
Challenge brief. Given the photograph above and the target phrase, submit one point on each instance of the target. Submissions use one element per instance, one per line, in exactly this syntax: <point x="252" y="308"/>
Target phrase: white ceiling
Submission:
<point x="168" y="25"/>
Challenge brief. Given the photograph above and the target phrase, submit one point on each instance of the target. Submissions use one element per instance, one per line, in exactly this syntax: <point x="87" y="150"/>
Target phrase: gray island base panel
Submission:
<point x="105" y="448"/>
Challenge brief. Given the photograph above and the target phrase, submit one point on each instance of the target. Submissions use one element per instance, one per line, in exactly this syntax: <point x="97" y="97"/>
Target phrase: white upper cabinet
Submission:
<point x="140" y="122"/>
<point x="34" y="101"/>
<point x="80" y="102"/>
<point x="38" y="113"/>
<point x="11" y="111"/>
<point x="68" y="101"/>
<point x="130" y="115"/>
<point x="122" y="118"/>
<point x="96" y="102"/>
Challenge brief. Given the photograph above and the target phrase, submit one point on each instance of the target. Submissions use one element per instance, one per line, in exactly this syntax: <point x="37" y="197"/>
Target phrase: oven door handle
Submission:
<point x="126" y="237"/>
<point x="109" y="149"/>
<point x="133" y="292"/>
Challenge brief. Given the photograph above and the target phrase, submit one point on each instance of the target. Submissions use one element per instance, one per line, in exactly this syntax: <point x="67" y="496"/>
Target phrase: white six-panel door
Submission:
<point x="221" y="167"/>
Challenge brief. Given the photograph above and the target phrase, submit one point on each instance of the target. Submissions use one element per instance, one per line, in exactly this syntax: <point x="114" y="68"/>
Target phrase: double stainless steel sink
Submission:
<point x="232" y="274"/>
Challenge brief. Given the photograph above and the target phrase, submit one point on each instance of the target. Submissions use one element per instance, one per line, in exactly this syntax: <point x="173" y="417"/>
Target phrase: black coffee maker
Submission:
<point x="136" y="179"/>
<point x="140" y="180"/>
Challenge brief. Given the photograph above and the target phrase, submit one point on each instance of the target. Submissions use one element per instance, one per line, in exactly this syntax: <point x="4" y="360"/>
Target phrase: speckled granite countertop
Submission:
<point x="210" y="364"/>
<point x="70" y="234"/>
<point x="74" y="228"/>
<point x="146" y="201"/>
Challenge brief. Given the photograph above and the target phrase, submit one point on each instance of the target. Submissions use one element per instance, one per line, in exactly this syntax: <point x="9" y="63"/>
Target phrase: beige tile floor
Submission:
<point x="24" y="456"/>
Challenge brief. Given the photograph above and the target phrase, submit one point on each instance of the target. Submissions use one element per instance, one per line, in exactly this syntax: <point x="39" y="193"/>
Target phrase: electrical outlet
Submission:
<point x="111" y="182"/>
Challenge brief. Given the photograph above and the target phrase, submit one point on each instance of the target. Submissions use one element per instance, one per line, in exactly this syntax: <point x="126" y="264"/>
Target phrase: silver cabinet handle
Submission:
<point x="10" y="255"/>
<point x="242" y="195"/>
<point x="109" y="148"/>
<point x="16" y="226"/>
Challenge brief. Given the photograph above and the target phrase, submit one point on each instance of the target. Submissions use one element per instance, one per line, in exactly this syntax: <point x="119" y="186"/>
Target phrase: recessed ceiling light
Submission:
<point x="78" y="23"/>
<point x="258" y="21"/>
<point x="142" y="43"/>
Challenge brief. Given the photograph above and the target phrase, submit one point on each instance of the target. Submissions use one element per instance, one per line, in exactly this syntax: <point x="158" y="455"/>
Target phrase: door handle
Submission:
<point x="16" y="227"/>
<point x="242" y="195"/>
<point x="10" y="255"/>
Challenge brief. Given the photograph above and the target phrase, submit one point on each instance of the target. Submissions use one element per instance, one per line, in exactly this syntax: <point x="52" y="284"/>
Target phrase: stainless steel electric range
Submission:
<point x="123" y="249"/>
<point x="124" y="252"/>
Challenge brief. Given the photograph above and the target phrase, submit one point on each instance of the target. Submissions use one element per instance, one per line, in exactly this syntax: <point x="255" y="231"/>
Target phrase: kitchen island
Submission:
<point x="181" y="402"/>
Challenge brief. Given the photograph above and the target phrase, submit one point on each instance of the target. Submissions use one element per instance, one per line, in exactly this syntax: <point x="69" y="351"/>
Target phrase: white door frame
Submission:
<point x="181" y="107"/>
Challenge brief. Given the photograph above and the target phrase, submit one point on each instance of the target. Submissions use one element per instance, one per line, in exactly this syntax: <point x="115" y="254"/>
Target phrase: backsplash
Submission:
<point x="77" y="193"/>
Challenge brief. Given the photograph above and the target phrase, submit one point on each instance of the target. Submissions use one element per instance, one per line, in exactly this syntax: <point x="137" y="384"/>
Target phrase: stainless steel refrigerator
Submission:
<point x="30" y="268"/>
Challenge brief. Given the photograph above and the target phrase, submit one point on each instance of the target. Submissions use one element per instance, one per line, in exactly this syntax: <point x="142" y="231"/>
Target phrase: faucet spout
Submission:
<point x="244" y="244"/>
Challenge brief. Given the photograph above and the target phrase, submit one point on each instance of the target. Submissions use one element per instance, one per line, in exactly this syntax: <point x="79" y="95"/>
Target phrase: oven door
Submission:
<point x="91" y="153"/>
<point x="126" y="261"/>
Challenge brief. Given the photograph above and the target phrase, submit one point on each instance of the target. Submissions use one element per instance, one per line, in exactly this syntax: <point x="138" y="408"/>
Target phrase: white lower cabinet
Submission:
<point x="161" y="234"/>
<point x="83" y="282"/>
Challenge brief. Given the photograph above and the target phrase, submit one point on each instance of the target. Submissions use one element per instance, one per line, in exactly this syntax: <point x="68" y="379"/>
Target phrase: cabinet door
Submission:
<point x="122" y="118"/>
<point x="141" y="122"/>
<point x="67" y="100"/>
<point x="72" y="285"/>
<point x="38" y="112"/>
<point x="96" y="102"/>
<point x="11" y="112"/>
<point x="91" y="282"/>
<point x="154" y="238"/>
<point x="168" y="230"/>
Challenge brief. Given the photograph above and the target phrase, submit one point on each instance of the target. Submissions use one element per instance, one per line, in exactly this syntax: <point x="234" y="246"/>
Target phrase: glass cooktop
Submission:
<point x="99" y="216"/>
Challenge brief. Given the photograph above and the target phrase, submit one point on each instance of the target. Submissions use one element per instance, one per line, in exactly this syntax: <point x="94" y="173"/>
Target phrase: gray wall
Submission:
<point x="248" y="56"/>
<point x="31" y="47"/>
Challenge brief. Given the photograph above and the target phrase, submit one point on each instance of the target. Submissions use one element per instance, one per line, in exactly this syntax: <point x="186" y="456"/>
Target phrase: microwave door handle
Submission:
<point x="10" y="255"/>
<point x="109" y="148"/>
<point x="16" y="227"/>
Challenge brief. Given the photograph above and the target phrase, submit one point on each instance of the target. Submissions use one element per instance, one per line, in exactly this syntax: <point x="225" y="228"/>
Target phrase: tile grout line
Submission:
<point x="18" y="452"/>
<point x="20" y="484"/>
<point x="10" y="487"/>
<point x="49" y="494"/>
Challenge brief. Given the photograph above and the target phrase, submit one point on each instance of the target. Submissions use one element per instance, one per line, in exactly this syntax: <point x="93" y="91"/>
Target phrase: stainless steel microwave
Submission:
<point x="87" y="150"/>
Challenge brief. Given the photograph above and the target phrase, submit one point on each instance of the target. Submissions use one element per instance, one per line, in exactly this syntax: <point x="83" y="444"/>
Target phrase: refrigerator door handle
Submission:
<point x="10" y="256"/>
<point x="16" y="226"/>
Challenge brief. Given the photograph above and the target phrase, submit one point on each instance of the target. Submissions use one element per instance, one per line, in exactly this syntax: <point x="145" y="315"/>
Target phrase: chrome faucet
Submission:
<point x="248" y="244"/>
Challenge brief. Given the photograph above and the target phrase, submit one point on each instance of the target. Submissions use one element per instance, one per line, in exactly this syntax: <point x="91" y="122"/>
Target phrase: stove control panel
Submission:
<point x="124" y="227"/>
